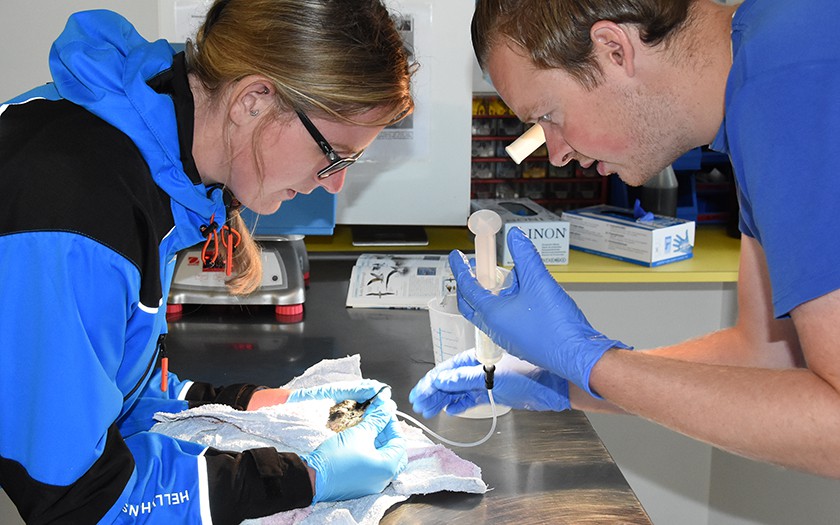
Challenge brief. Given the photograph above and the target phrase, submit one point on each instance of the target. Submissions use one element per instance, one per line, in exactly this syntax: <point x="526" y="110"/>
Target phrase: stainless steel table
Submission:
<point x="541" y="467"/>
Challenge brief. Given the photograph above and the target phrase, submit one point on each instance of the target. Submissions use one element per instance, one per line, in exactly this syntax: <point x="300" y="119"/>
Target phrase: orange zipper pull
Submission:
<point x="230" y="240"/>
<point x="164" y="364"/>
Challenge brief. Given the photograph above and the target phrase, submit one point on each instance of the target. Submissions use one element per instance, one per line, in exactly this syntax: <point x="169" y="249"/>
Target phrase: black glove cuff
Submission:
<point x="255" y="483"/>
<point x="237" y="396"/>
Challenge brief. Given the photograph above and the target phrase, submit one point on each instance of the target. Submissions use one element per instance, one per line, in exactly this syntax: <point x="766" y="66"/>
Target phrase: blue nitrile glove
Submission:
<point x="362" y="459"/>
<point x="360" y="391"/>
<point x="640" y="214"/>
<point x="458" y="384"/>
<point x="534" y="318"/>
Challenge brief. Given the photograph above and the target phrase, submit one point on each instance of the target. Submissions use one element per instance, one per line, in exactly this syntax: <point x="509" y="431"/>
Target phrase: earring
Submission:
<point x="255" y="112"/>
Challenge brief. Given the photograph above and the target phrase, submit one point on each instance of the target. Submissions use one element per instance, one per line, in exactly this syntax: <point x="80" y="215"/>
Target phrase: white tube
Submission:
<point x="432" y="433"/>
<point x="526" y="144"/>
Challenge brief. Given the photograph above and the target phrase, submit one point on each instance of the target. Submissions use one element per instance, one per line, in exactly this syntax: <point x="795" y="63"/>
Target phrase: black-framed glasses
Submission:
<point x="337" y="162"/>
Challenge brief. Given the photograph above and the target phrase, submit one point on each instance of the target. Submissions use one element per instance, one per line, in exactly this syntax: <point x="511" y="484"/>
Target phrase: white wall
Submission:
<point x="8" y="513"/>
<point x="679" y="480"/>
<point x="670" y="473"/>
<point x="744" y="492"/>
<point x="28" y="29"/>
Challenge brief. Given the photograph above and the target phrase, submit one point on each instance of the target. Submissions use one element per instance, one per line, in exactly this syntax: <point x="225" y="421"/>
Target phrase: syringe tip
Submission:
<point x="489" y="374"/>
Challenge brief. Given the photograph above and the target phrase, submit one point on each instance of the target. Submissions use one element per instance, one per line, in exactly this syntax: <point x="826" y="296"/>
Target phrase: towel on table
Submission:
<point x="301" y="427"/>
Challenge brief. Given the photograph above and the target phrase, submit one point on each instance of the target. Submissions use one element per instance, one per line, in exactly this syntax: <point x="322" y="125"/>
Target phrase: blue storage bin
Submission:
<point x="312" y="214"/>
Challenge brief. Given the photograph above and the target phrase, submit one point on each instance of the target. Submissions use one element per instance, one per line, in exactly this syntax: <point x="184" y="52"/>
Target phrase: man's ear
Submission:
<point x="614" y="46"/>
<point x="250" y="97"/>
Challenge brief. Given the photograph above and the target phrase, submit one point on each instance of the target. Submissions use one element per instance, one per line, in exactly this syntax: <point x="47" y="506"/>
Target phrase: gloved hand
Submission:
<point x="458" y="384"/>
<point x="362" y="459"/>
<point x="360" y="391"/>
<point x="533" y="319"/>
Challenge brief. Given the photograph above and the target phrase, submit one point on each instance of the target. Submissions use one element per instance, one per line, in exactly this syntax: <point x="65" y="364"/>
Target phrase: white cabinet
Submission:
<point x="679" y="480"/>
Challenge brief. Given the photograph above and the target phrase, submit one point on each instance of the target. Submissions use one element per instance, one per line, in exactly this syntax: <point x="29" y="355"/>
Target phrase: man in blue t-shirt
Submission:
<point x="628" y="89"/>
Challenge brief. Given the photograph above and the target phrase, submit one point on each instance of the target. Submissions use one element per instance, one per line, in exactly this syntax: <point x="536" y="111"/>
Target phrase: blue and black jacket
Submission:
<point x="100" y="191"/>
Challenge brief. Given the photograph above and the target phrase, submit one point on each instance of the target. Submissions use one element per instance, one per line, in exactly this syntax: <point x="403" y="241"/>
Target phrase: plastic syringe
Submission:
<point x="485" y="224"/>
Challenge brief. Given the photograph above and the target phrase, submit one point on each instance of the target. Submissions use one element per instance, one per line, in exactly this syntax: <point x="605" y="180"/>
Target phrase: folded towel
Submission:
<point x="301" y="427"/>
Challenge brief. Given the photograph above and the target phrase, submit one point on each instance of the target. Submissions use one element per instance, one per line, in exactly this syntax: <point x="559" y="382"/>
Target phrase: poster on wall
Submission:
<point x="179" y="20"/>
<point x="409" y="138"/>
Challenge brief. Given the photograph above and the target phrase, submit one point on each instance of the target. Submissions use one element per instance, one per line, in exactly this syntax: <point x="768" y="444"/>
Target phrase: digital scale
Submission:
<point x="285" y="273"/>
<point x="284" y="258"/>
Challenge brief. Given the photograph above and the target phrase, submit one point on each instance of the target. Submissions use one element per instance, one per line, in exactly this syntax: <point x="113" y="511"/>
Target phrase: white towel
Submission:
<point x="301" y="427"/>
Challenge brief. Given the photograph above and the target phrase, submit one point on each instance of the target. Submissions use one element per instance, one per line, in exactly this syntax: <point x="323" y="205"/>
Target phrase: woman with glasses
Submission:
<point x="133" y="153"/>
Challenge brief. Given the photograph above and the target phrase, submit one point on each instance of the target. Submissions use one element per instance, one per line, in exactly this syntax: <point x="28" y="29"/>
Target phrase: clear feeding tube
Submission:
<point x="456" y="443"/>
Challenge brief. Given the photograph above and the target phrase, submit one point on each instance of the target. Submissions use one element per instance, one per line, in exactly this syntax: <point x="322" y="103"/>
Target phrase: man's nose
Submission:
<point x="559" y="151"/>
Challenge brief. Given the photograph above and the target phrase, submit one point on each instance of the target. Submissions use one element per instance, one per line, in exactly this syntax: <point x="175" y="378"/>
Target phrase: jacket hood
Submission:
<point x="101" y="63"/>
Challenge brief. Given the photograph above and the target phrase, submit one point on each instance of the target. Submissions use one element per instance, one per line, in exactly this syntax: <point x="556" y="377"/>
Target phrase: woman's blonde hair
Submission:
<point x="334" y="59"/>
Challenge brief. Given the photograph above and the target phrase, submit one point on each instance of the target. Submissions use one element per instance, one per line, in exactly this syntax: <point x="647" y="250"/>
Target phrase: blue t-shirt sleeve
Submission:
<point x="787" y="126"/>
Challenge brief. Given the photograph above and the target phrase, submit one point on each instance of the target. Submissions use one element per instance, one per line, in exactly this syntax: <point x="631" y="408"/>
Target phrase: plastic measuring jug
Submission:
<point x="451" y="332"/>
